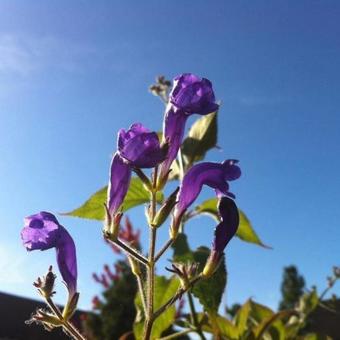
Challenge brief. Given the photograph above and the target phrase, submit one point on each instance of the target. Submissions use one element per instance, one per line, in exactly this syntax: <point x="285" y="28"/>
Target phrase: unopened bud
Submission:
<point x="336" y="271"/>
<point x="185" y="272"/>
<point x="47" y="319"/>
<point x="165" y="210"/>
<point x="45" y="285"/>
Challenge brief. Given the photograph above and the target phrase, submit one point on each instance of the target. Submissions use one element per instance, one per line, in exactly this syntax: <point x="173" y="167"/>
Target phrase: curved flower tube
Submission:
<point x="190" y="94"/>
<point x="120" y="176"/>
<point x="42" y="231"/>
<point x="215" y="175"/>
<point x="224" y="232"/>
<point x="137" y="148"/>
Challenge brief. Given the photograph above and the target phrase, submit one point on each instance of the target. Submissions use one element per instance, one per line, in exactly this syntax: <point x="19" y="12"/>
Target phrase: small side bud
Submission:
<point x="336" y="272"/>
<point x="45" y="284"/>
<point x="48" y="320"/>
<point x="185" y="272"/>
<point x="165" y="210"/>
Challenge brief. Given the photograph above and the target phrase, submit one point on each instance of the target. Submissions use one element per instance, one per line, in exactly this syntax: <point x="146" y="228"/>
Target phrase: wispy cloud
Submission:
<point x="24" y="55"/>
<point x="15" y="57"/>
<point x="11" y="266"/>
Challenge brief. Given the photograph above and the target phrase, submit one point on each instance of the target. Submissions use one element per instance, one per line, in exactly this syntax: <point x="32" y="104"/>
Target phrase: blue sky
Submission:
<point x="72" y="74"/>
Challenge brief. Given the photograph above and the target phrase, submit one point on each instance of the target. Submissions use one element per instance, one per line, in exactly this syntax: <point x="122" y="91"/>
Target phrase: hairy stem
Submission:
<point x="69" y="327"/>
<point x="149" y="319"/>
<point x="138" y="257"/>
<point x="164" y="249"/>
<point x="141" y="292"/>
<point x="177" y="296"/>
<point x="194" y="317"/>
<point x="177" y="335"/>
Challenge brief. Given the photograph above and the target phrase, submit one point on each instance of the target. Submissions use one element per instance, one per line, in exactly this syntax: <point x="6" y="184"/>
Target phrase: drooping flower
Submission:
<point x="224" y="232"/>
<point x="137" y="148"/>
<point x="42" y="231"/>
<point x="190" y="94"/>
<point x="214" y="175"/>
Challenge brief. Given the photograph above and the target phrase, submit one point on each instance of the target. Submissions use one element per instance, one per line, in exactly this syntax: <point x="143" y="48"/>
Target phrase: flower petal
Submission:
<point x="120" y="176"/>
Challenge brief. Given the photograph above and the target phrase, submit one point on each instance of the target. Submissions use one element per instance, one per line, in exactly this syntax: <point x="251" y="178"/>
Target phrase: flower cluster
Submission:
<point x="139" y="148"/>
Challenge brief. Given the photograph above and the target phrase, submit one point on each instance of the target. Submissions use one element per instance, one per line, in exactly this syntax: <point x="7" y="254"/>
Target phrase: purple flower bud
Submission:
<point x="42" y="231"/>
<point x="137" y="147"/>
<point x="140" y="147"/>
<point x="120" y="176"/>
<point x="224" y="232"/>
<point x="215" y="175"/>
<point x="190" y="94"/>
<point x="227" y="228"/>
<point x="193" y="94"/>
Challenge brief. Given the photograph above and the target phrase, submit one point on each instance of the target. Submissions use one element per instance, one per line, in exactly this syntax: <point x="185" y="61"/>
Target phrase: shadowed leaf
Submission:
<point x="201" y="138"/>
<point x="93" y="208"/>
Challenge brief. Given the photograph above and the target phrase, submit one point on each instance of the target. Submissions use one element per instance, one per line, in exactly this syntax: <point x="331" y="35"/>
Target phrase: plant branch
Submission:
<point x="141" y="292"/>
<point x="71" y="329"/>
<point x="177" y="296"/>
<point x="194" y="317"/>
<point x="164" y="249"/>
<point x="138" y="257"/>
<point x="177" y="335"/>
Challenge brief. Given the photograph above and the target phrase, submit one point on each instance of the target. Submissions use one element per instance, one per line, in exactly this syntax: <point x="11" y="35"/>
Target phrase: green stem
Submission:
<point x="194" y="317"/>
<point x="177" y="296"/>
<point x="141" y="292"/>
<point x="138" y="257"/>
<point x="149" y="318"/>
<point x="177" y="335"/>
<point x="164" y="249"/>
<point x="66" y="324"/>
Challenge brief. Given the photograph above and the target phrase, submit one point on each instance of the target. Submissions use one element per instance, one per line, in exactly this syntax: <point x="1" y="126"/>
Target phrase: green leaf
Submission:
<point x="245" y="229"/>
<point x="266" y="321"/>
<point x="182" y="252"/>
<point x="241" y="318"/>
<point x="202" y="137"/>
<point x="93" y="208"/>
<point x="225" y="327"/>
<point x="274" y="325"/>
<point x="164" y="290"/>
<point x="210" y="291"/>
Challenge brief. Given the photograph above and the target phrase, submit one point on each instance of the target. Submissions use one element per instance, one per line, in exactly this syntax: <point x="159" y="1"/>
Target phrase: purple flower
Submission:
<point x="140" y="147"/>
<point x="42" y="231"/>
<point x="214" y="175"/>
<point x="193" y="94"/>
<point x="137" y="147"/>
<point x="120" y="176"/>
<point x="190" y="94"/>
<point x="227" y="228"/>
<point x="224" y="232"/>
